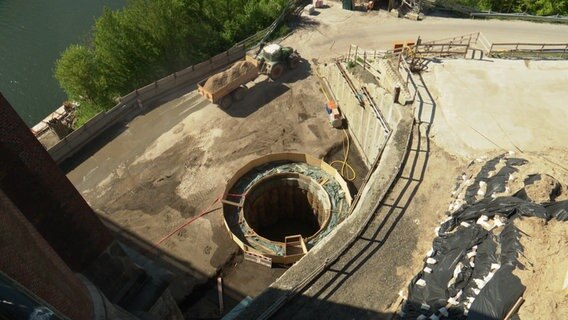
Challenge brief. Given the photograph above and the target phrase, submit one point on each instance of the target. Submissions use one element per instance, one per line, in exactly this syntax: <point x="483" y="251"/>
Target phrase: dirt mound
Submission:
<point x="545" y="252"/>
<point x="543" y="190"/>
<point x="238" y="70"/>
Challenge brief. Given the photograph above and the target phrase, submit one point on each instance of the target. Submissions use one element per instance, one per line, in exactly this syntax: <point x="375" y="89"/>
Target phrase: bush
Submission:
<point x="535" y="7"/>
<point x="150" y="39"/>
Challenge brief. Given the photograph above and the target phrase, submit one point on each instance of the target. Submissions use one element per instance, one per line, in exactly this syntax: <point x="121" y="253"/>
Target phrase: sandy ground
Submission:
<point x="546" y="262"/>
<point x="332" y="30"/>
<point x="506" y="105"/>
<point x="172" y="162"/>
<point x="183" y="170"/>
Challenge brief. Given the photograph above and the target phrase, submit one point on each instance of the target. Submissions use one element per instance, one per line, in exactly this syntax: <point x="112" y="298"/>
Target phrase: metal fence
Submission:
<point x="529" y="50"/>
<point x="450" y="5"/>
<point x="132" y="103"/>
<point x="293" y="7"/>
<point x="520" y="16"/>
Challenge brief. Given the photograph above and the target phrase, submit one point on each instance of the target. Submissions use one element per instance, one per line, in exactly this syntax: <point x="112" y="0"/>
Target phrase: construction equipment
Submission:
<point x="224" y="87"/>
<point x="273" y="59"/>
<point x="230" y="85"/>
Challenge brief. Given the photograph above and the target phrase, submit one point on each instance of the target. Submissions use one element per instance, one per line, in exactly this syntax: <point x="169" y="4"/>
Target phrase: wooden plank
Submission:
<point x="515" y="308"/>
<point x="293" y="244"/>
<point x="260" y="259"/>
<point x="231" y="203"/>
<point x="220" y="295"/>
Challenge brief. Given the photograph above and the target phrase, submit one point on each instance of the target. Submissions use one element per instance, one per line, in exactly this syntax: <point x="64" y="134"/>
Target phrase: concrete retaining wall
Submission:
<point x="392" y="79"/>
<point x="139" y="99"/>
<point x="364" y="125"/>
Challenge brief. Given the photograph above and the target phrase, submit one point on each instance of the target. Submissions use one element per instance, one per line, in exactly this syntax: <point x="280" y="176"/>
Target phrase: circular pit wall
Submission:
<point x="284" y="195"/>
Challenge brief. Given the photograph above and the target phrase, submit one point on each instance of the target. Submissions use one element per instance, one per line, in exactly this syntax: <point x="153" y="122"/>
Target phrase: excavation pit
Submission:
<point x="286" y="204"/>
<point x="279" y="206"/>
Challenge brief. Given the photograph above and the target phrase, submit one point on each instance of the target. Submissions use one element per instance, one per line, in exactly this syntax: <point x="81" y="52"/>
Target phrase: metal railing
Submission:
<point x="293" y="7"/>
<point x="363" y="57"/>
<point x="519" y="16"/>
<point x="440" y="49"/>
<point x="469" y="38"/>
<point x="529" y="50"/>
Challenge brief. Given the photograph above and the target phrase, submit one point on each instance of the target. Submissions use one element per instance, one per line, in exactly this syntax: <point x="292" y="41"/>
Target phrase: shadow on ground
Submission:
<point x="196" y="297"/>
<point x="121" y="126"/>
<point x="264" y="90"/>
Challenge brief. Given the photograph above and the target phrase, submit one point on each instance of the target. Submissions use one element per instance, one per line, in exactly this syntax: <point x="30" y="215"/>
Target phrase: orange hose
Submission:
<point x="189" y="221"/>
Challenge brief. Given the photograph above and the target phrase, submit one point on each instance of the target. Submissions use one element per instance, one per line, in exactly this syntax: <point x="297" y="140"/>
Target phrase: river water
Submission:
<point x="33" y="34"/>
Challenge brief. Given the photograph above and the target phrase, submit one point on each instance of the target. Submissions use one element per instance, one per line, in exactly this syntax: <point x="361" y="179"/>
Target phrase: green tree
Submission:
<point x="78" y="73"/>
<point x="536" y="7"/>
<point x="150" y="39"/>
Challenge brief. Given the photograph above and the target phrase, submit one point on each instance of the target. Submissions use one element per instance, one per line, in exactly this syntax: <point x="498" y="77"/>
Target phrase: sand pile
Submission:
<point x="545" y="251"/>
<point x="240" y="69"/>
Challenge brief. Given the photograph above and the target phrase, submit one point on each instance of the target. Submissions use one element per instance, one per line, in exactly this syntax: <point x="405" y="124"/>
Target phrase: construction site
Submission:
<point x="365" y="166"/>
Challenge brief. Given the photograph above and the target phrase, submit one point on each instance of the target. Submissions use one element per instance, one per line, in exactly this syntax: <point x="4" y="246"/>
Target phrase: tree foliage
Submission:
<point x="535" y="7"/>
<point x="150" y="39"/>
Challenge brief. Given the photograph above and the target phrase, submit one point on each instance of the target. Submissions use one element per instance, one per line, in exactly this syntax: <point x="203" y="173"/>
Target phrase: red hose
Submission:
<point x="189" y="221"/>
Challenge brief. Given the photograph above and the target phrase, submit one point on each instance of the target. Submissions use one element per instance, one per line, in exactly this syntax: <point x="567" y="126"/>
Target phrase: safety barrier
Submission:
<point x="475" y="13"/>
<point x="520" y="16"/>
<point x="529" y="50"/>
<point x="293" y="7"/>
<point x="140" y="99"/>
<point x="137" y="100"/>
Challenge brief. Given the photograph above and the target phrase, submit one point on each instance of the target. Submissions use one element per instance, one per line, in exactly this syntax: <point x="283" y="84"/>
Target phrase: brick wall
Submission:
<point x="42" y="193"/>
<point x="26" y="258"/>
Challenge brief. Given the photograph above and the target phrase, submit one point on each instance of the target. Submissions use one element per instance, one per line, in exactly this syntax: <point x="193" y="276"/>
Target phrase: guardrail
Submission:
<point x="519" y="16"/>
<point x="440" y="49"/>
<point x="140" y="99"/>
<point x="135" y="101"/>
<point x="293" y="6"/>
<point x="468" y="38"/>
<point x="529" y="50"/>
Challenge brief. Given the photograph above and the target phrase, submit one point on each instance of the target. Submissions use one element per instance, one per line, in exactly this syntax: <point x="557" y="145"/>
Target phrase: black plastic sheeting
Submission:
<point x="558" y="210"/>
<point x="470" y="270"/>
<point x="471" y="191"/>
<point x="498" y="182"/>
<point x="491" y="303"/>
<point x="508" y="207"/>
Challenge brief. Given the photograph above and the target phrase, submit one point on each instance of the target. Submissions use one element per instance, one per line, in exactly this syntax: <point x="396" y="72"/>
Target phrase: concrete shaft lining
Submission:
<point x="319" y="180"/>
<point x="286" y="204"/>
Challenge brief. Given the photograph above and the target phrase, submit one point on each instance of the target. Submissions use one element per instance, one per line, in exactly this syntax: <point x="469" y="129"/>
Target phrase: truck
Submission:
<point x="230" y="85"/>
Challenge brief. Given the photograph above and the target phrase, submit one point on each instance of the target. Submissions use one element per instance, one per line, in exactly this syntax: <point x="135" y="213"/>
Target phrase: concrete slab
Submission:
<point x="495" y="104"/>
